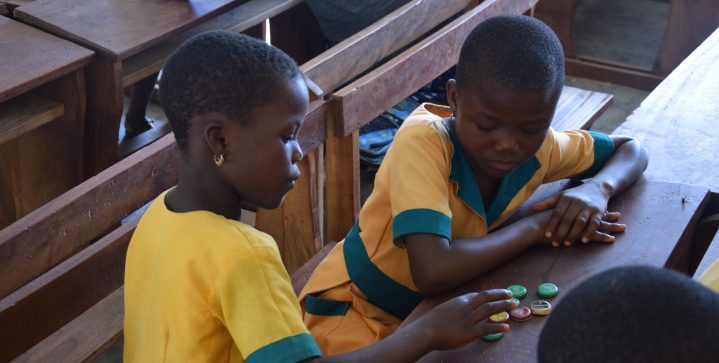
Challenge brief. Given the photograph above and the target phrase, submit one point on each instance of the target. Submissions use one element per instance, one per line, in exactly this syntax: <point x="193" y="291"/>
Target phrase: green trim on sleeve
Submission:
<point x="421" y="221"/>
<point x="323" y="307"/>
<point x="603" y="150"/>
<point x="290" y="349"/>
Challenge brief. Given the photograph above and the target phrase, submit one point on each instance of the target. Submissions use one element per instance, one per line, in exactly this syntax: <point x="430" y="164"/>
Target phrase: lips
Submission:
<point x="503" y="164"/>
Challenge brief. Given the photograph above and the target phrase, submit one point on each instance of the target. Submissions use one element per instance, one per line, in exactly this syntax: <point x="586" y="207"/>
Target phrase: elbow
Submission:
<point x="432" y="280"/>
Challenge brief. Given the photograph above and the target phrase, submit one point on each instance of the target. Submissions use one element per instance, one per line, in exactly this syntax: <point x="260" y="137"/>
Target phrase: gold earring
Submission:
<point x="219" y="159"/>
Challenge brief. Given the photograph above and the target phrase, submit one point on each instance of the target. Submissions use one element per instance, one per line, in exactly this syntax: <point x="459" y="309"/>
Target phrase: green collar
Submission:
<point x="468" y="190"/>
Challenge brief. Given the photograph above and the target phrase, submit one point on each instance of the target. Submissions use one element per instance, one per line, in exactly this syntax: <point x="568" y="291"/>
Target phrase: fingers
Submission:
<point x="607" y="227"/>
<point x="603" y="237"/>
<point x="611" y="216"/>
<point x="554" y="221"/>
<point x="594" y="223"/>
<point x="584" y="218"/>
<point x="545" y="204"/>
<point x="477" y="299"/>
<point x="566" y="222"/>
<point x="485" y="328"/>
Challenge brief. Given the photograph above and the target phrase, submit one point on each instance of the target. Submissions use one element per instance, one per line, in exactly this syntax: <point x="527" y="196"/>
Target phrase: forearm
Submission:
<point x="407" y="344"/>
<point x="448" y="265"/>
<point x="622" y="169"/>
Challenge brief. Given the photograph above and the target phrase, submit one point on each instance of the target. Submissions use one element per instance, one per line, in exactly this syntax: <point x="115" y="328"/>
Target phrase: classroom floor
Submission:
<point x="626" y="31"/>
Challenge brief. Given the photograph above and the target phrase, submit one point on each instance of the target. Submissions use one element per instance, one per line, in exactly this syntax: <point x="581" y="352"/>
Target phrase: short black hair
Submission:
<point x="224" y="72"/>
<point x="514" y="53"/>
<point x="634" y="314"/>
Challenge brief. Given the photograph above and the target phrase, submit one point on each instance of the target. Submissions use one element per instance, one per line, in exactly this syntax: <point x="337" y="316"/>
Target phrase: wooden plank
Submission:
<point x="343" y="189"/>
<point x="47" y="161"/>
<point x="64" y="292"/>
<point x="31" y="57"/>
<point x="4" y="10"/>
<point x="559" y="15"/>
<point x="612" y="74"/>
<point x="47" y="236"/>
<point x="690" y="22"/>
<point x="578" y="108"/>
<point x="676" y="122"/>
<point x="356" y="54"/>
<point x="119" y="29"/>
<point x="239" y="19"/>
<point x="104" y="111"/>
<point x="83" y="338"/>
<point x="658" y="228"/>
<point x="372" y="94"/>
<point x="27" y="112"/>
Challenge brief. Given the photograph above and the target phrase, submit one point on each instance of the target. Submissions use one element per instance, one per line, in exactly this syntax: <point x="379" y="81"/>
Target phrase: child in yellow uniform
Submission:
<point x="454" y="175"/>
<point x="710" y="277"/>
<point x="200" y="286"/>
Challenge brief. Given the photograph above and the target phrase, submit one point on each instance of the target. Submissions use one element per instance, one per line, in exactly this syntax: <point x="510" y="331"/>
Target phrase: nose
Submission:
<point x="297" y="154"/>
<point x="506" y="141"/>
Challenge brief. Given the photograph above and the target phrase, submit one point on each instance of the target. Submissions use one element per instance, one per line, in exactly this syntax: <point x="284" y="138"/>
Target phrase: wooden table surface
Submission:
<point x="31" y="57"/>
<point x="679" y="121"/>
<point x="119" y="28"/>
<point x="657" y="215"/>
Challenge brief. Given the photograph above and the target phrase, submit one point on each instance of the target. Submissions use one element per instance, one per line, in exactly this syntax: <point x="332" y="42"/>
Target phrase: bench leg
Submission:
<point x="343" y="192"/>
<point x="104" y="111"/>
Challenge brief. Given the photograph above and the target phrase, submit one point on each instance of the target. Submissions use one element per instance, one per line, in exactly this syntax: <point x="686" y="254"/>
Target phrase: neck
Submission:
<point x="197" y="190"/>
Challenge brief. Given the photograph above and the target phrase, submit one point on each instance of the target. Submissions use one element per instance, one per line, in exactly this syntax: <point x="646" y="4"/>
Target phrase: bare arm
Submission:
<point x="450" y="325"/>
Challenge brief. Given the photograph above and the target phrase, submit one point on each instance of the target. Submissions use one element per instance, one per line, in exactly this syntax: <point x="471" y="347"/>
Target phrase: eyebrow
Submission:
<point x="494" y="119"/>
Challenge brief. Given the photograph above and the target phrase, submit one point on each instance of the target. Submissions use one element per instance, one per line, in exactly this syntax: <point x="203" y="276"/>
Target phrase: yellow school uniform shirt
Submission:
<point x="202" y="288"/>
<point x="363" y="289"/>
<point x="710" y="277"/>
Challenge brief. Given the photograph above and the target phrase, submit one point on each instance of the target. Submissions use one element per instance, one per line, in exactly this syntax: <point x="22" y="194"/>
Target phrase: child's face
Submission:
<point x="261" y="156"/>
<point x="499" y="131"/>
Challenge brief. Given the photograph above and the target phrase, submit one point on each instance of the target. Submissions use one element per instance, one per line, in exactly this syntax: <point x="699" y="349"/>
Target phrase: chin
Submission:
<point x="272" y="204"/>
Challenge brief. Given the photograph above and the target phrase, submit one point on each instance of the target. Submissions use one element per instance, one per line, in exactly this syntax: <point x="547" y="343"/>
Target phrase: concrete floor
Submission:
<point x="626" y="31"/>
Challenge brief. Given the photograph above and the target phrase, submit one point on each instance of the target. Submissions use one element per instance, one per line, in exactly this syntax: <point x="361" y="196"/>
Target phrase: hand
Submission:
<point x="464" y="319"/>
<point x="579" y="213"/>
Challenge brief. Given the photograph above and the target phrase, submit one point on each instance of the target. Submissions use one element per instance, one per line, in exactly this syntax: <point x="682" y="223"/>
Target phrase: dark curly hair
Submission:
<point x="513" y="53"/>
<point x="223" y="72"/>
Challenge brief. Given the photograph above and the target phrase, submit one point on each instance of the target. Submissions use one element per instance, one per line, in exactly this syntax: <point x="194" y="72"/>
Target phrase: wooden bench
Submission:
<point x="689" y="23"/>
<point x="133" y="38"/>
<point x="42" y="111"/>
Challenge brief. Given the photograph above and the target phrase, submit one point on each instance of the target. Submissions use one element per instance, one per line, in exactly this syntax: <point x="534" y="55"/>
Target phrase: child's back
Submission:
<point x="210" y="281"/>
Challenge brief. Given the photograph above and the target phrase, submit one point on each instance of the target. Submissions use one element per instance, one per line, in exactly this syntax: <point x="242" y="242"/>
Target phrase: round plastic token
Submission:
<point x="540" y="307"/>
<point x="516" y="301"/>
<point x="518" y="291"/>
<point x="521" y="313"/>
<point x="547" y="290"/>
<point x="493" y="337"/>
<point x="499" y="317"/>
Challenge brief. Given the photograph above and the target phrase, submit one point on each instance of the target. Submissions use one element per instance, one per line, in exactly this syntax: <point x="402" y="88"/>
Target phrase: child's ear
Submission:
<point x="215" y="138"/>
<point x="452" y="94"/>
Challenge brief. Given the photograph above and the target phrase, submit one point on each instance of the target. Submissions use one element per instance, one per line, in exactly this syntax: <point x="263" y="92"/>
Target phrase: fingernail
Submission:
<point x="585" y="240"/>
<point x="555" y="243"/>
<point x="567" y="243"/>
<point x="548" y="234"/>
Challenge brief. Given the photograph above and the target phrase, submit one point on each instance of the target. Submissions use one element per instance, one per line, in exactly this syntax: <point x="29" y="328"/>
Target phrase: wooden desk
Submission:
<point x="133" y="39"/>
<point x="677" y="122"/>
<point x="42" y="111"/>
<point x="658" y="224"/>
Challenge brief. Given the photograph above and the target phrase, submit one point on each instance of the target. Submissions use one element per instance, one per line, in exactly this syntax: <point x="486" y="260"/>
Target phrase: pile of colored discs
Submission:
<point x="540" y="307"/>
